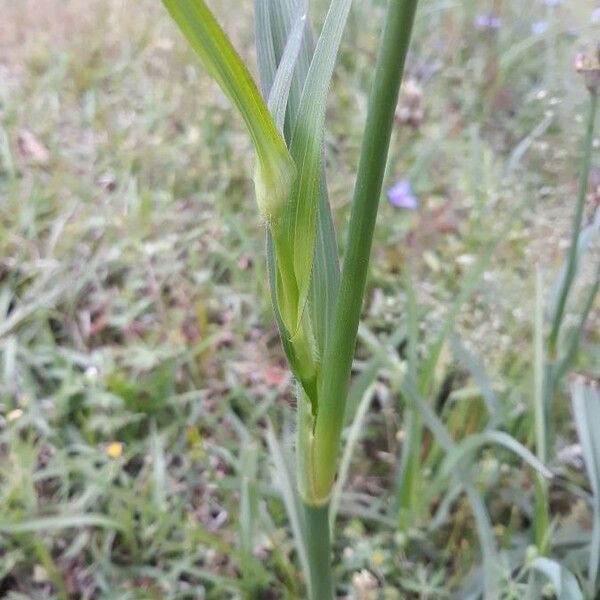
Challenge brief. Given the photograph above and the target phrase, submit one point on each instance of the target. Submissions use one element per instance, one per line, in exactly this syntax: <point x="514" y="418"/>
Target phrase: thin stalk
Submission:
<point x="541" y="522"/>
<point x="410" y="473"/>
<point x="337" y="361"/>
<point x="571" y="270"/>
<point x="318" y="545"/>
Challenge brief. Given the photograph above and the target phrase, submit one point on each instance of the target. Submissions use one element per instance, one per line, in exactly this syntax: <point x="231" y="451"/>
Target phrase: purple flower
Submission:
<point x="401" y="195"/>
<point x="539" y="27"/>
<point x="551" y="2"/>
<point x="486" y="21"/>
<point x="596" y="15"/>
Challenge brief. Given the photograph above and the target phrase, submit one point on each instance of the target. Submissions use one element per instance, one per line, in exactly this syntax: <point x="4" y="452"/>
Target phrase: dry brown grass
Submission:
<point x="29" y="22"/>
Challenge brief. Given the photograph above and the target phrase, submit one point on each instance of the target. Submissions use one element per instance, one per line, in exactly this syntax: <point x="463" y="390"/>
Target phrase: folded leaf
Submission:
<point x="300" y="219"/>
<point x="277" y="24"/>
<point x="282" y="83"/>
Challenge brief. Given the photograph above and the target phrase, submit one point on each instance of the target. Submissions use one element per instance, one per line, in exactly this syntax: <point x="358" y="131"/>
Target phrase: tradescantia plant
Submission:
<point x="316" y="305"/>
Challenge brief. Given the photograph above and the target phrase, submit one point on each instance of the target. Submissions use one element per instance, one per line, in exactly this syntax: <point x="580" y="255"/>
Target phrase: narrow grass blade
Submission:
<point x="479" y="374"/>
<point x="159" y="469"/>
<point x="540" y="403"/>
<point x="521" y="149"/>
<point x="475" y="442"/>
<point x="292" y="503"/>
<point x="60" y="522"/>
<point x="248" y="517"/>
<point x="283" y="14"/>
<point x="585" y="396"/>
<point x="248" y="497"/>
<point x="564" y="582"/>
<point x="280" y="90"/>
<point x="272" y="38"/>
<point x="354" y="435"/>
<point x="487" y="540"/>
<point x="412" y="318"/>
<point x="558" y="310"/>
<point x="300" y="221"/>
<point x="584" y="242"/>
<point x="573" y="341"/>
<point x="265" y="50"/>
<point x="324" y="282"/>
<point x="541" y="520"/>
<point x="361" y="383"/>
<point x="409" y="474"/>
<point x="461" y="474"/>
<point x="275" y="169"/>
<point x="359" y="388"/>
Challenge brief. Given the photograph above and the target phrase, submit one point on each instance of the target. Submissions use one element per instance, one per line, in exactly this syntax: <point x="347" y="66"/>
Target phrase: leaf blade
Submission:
<point x="284" y="76"/>
<point x="300" y="221"/>
<point x="275" y="170"/>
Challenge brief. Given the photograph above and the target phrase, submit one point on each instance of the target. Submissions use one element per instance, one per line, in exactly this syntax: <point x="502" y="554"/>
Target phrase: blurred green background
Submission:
<point x="139" y="360"/>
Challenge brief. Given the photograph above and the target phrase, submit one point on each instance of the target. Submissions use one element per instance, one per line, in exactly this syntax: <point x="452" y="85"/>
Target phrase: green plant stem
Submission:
<point x="409" y="475"/>
<point x="541" y="521"/>
<point x="318" y="545"/>
<point x="571" y="270"/>
<point x="573" y="344"/>
<point x="337" y="361"/>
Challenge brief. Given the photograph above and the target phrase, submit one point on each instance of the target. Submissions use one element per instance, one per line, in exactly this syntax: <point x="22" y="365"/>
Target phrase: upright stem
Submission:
<point x="567" y="282"/>
<point x="337" y="361"/>
<point x="318" y="545"/>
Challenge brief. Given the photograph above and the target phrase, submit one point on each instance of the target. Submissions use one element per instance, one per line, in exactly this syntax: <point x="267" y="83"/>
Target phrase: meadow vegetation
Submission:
<point x="146" y="408"/>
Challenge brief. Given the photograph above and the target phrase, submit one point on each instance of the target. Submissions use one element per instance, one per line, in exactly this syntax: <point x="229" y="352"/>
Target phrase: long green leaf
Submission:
<point x="540" y="402"/>
<point x="300" y="221"/>
<point x="408" y="473"/>
<point x="572" y="262"/>
<point x="265" y="49"/>
<point x="326" y="269"/>
<point x="354" y="435"/>
<point x="60" y="522"/>
<point x="285" y="481"/>
<point x="282" y="14"/>
<point x="478" y="440"/>
<point x="479" y="374"/>
<point x="276" y="25"/>
<point x="564" y="582"/>
<point x="280" y="90"/>
<point x="573" y="340"/>
<point x="541" y="520"/>
<point x="325" y="280"/>
<point x="585" y="395"/>
<point x="275" y="169"/>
